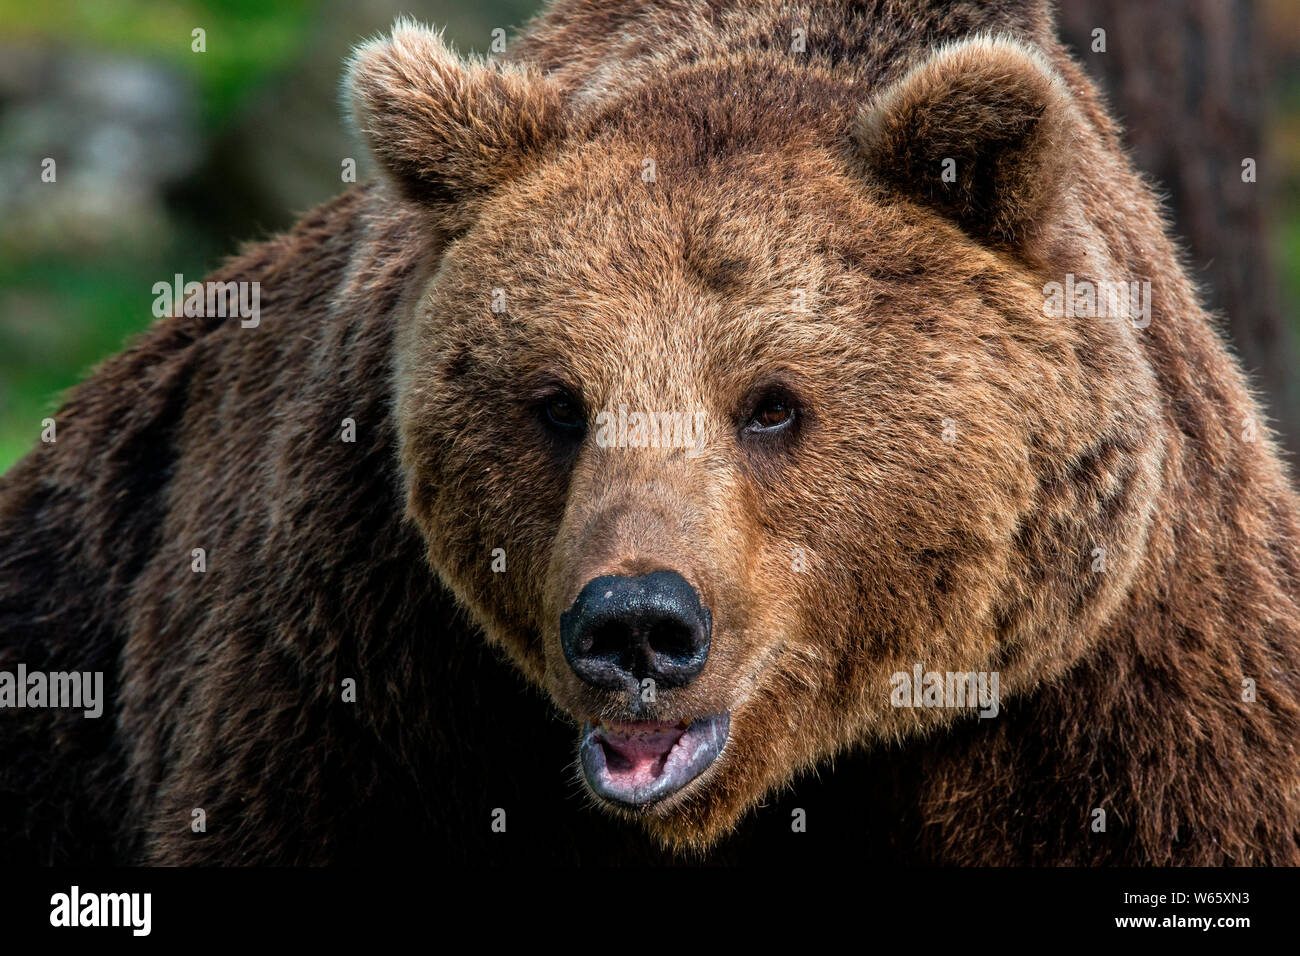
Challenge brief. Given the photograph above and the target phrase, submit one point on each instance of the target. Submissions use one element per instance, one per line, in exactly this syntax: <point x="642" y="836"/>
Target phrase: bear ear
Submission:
<point x="447" y="130"/>
<point x="981" y="131"/>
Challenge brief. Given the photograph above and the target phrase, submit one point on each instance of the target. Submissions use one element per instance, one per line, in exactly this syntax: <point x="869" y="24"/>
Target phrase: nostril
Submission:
<point x="632" y="639"/>
<point x="671" y="638"/>
<point x="608" y="639"/>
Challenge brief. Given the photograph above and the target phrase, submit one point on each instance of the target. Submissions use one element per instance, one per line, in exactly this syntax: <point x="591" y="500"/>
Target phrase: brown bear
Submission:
<point x="806" y="404"/>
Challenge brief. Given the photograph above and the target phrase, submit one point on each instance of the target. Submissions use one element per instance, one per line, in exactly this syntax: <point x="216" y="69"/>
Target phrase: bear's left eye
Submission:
<point x="772" y="412"/>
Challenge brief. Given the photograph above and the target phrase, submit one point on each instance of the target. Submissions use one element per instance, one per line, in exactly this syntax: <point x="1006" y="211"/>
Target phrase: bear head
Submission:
<point x="730" y="395"/>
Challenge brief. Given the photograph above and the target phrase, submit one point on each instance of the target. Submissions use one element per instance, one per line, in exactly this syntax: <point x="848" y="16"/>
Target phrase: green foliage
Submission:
<point x="74" y="314"/>
<point x="246" y="40"/>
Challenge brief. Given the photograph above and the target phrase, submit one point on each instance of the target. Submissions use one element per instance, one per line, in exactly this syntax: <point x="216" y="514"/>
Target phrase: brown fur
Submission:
<point x="777" y="171"/>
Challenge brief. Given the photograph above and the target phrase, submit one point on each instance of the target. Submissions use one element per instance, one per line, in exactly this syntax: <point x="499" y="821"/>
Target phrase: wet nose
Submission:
<point x="623" y="630"/>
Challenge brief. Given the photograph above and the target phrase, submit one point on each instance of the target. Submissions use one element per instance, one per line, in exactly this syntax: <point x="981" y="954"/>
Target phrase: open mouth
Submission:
<point x="640" y="763"/>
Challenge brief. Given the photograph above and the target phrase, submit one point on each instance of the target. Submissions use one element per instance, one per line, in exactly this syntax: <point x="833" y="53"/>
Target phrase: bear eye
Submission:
<point x="771" y="413"/>
<point x="563" y="411"/>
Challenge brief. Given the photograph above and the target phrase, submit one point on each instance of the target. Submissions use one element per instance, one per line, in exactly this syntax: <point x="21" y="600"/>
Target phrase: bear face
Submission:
<point x="763" y="429"/>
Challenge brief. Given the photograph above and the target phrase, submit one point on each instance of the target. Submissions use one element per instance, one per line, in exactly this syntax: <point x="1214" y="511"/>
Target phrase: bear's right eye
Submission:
<point x="563" y="413"/>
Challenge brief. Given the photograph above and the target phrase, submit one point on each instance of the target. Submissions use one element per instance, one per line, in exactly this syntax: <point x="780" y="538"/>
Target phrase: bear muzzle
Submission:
<point x="636" y="635"/>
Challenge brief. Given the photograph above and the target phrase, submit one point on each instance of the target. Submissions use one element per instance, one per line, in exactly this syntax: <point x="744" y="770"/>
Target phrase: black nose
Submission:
<point x="623" y="630"/>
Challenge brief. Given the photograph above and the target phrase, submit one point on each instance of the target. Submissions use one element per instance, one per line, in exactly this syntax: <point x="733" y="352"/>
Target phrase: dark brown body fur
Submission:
<point x="225" y="686"/>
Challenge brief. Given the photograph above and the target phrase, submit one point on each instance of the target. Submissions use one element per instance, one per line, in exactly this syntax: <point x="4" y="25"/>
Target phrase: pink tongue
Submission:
<point x="635" y="754"/>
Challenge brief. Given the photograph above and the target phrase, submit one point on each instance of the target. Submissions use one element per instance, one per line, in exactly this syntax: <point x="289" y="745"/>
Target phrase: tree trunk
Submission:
<point x="1188" y="80"/>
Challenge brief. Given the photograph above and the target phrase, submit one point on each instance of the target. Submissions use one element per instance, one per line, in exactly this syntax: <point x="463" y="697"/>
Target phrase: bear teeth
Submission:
<point x="625" y="731"/>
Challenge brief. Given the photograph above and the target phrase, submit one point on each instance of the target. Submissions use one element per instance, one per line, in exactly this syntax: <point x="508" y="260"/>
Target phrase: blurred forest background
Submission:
<point x="168" y="159"/>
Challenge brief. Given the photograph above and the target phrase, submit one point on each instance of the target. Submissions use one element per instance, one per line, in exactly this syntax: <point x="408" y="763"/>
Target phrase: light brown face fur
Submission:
<point x="955" y="455"/>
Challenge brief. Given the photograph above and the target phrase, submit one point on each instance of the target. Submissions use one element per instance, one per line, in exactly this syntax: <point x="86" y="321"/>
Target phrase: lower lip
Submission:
<point x="698" y="748"/>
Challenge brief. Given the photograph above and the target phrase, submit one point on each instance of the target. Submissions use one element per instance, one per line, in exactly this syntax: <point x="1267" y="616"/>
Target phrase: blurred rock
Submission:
<point x="120" y="130"/>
